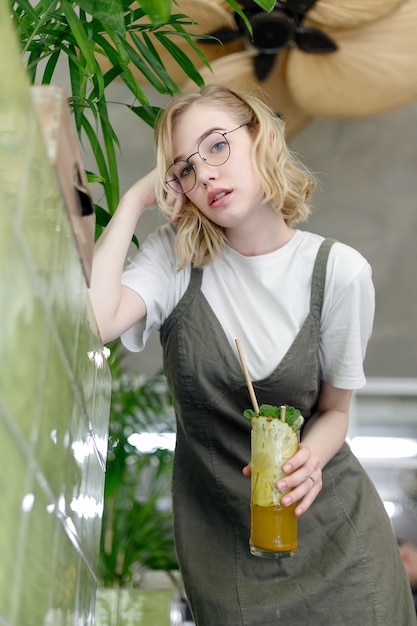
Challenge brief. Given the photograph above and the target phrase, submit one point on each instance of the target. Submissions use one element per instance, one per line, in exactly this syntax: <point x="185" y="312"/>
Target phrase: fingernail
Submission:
<point x="282" y="486"/>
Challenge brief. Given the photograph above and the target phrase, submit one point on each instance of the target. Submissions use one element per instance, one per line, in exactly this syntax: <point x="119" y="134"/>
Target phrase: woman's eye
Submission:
<point x="218" y="146"/>
<point x="186" y="171"/>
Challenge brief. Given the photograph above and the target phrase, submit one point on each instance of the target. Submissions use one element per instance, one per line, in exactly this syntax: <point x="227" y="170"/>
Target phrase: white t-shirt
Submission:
<point x="264" y="300"/>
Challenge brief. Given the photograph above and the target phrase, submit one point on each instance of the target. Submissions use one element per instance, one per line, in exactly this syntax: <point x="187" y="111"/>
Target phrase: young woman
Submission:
<point x="231" y="265"/>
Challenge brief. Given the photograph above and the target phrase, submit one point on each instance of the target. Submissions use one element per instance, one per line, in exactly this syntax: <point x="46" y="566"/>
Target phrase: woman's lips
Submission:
<point x="216" y="197"/>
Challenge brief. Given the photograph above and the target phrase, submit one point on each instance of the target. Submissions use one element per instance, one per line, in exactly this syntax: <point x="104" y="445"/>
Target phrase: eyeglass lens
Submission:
<point x="213" y="150"/>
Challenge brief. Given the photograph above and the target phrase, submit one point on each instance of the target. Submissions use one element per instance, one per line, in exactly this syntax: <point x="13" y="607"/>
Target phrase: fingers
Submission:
<point x="313" y="486"/>
<point x="176" y="214"/>
<point x="298" y="460"/>
<point x="304" y="493"/>
<point x="303" y="481"/>
<point x="247" y="470"/>
<point x="176" y="202"/>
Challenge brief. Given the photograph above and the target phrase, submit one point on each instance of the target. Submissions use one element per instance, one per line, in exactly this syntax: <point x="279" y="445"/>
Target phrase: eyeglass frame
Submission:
<point x="213" y="132"/>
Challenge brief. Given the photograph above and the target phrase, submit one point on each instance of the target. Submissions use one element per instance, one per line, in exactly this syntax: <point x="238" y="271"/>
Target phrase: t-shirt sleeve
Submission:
<point x="347" y="318"/>
<point x="152" y="274"/>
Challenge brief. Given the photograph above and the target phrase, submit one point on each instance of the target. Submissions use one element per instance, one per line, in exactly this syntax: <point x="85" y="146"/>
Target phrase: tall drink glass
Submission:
<point x="273" y="527"/>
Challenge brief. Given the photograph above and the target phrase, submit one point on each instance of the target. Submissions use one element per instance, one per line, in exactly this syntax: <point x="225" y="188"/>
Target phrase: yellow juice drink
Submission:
<point x="273" y="527"/>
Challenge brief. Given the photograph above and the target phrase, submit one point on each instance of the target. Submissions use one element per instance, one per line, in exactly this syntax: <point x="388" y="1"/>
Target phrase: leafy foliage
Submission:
<point x="293" y="416"/>
<point x="137" y="523"/>
<point x="81" y="33"/>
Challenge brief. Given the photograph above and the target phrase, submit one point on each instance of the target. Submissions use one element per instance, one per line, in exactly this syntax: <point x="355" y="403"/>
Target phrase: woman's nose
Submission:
<point x="204" y="172"/>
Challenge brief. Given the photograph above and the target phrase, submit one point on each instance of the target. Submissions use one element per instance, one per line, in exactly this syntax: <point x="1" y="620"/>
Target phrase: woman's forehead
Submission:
<point x="196" y="121"/>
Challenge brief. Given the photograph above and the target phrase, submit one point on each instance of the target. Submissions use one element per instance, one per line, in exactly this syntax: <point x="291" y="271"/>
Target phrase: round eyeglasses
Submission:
<point x="213" y="149"/>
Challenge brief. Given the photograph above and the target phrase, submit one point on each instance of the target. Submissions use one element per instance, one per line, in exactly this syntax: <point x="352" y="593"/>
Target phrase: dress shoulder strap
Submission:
<point x="318" y="281"/>
<point x="195" y="279"/>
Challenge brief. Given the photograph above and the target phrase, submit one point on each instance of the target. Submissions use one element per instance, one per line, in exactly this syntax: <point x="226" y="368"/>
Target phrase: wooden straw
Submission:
<point x="282" y="412"/>
<point x="247" y="377"/>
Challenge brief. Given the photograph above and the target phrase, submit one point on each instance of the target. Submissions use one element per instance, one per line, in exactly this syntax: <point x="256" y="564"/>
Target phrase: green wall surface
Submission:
<point x="54" y="382"/>
<point x="134" y="607"/>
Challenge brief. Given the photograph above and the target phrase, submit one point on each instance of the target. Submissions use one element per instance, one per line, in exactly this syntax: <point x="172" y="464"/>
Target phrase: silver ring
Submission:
<point x="314" y="482"/>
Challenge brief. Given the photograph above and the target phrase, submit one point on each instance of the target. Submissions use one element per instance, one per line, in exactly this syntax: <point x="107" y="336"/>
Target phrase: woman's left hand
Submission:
<point x="323" y="436"/>
<point x="303" y="480"/>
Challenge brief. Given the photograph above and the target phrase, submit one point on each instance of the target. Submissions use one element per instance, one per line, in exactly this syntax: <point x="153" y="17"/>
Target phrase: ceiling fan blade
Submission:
<point x="263" y="64"/>
<point x="374" y="70"/>
<point x="310" y="39"/>
<point x="237" y="71"/>
<point x="351" y="13"/>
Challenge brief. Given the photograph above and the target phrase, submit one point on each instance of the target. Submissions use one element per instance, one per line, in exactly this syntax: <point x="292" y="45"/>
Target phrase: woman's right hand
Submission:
<point x="142" y="193"/>
<point x="176" y="201"/>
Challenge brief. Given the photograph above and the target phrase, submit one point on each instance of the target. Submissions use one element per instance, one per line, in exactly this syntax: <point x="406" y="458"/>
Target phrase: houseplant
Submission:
<point x="137" y="524"/>
<point x="80" y="33"/>
<point x="137" y="534"/>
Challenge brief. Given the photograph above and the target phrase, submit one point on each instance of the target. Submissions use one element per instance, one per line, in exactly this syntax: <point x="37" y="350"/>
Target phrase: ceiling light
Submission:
<point x="393" y="509"/>
<point x="150" y="442"/>
<point x="383" y="447"/>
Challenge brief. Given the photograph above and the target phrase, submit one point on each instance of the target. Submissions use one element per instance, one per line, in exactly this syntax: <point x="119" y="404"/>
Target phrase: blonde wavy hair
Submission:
<point x="287" y="183"/>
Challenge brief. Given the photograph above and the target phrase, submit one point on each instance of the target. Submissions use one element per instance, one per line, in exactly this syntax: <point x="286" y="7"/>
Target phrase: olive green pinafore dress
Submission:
<point x="347" y="570"/>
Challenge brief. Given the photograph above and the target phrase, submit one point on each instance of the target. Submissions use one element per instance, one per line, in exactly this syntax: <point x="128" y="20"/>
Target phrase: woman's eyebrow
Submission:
<point x="210" y="130"/>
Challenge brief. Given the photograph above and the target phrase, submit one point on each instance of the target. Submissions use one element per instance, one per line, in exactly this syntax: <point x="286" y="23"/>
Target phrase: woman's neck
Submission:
<point x="262" y="237"/>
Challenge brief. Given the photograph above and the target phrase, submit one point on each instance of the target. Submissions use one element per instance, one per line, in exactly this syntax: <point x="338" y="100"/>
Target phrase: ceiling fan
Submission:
<point x="274" y="31"/>
<point x="307" y="58"/>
